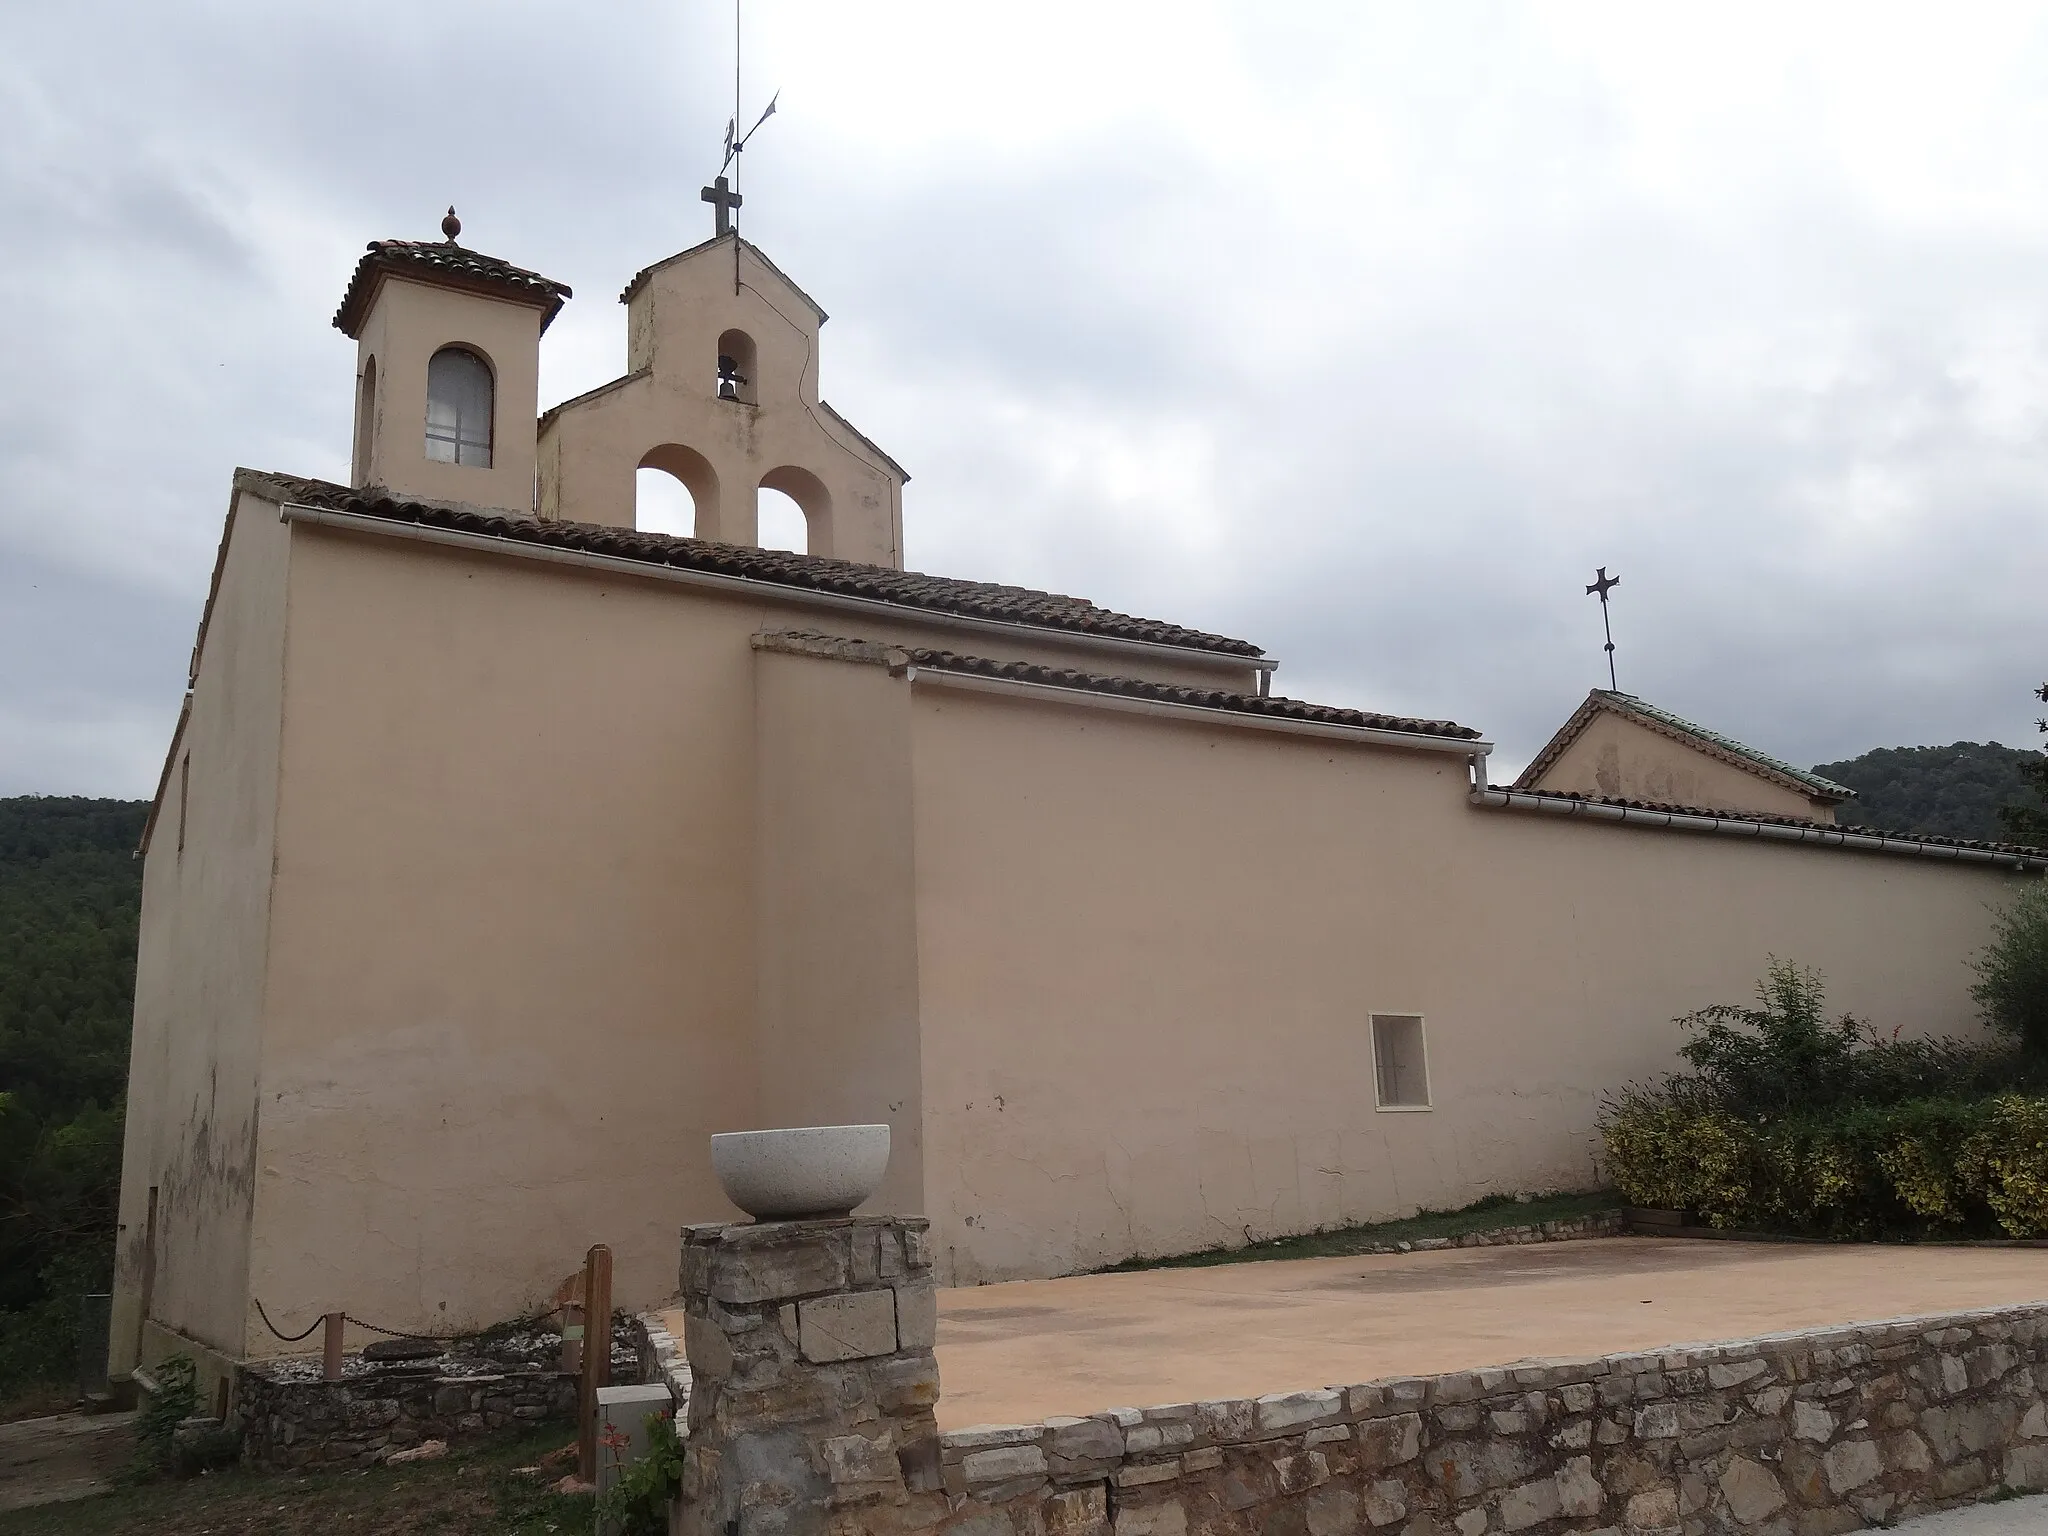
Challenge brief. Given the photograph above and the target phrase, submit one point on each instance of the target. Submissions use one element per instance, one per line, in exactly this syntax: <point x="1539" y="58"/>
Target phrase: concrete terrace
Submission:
<point x="1024" y="1351"/>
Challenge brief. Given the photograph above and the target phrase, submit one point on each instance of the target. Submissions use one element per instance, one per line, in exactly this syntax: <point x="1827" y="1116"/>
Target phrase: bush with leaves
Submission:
<point x="1793" y="1122"/>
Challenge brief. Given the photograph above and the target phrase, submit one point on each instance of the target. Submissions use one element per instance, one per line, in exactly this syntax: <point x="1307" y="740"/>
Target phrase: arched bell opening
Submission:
<point x="736" y="369"/>
<point x="808" y="492"/>
<point x="676" y="491"/>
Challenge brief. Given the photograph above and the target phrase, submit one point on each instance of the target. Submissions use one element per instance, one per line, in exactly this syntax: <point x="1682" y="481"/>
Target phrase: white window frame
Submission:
<point x="1372" y="1024"/>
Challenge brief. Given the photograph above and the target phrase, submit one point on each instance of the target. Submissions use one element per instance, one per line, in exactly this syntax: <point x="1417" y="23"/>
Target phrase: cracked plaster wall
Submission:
<point x="200" y="968"/>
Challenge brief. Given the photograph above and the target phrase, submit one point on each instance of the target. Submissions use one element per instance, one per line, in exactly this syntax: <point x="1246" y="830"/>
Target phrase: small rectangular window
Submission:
<point x="1400" y="1061"/>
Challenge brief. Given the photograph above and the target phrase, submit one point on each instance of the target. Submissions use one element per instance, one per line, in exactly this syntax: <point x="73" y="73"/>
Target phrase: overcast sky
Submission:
<point x="1364" y="332"/>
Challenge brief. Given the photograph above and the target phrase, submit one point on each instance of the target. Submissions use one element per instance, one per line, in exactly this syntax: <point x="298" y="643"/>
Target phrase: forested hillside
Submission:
<point x="1952" y="791"/>
<point x="70" y="894"/>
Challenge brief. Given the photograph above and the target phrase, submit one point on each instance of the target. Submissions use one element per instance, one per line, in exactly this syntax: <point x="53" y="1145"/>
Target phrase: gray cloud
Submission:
<point x="1365" y="333"/>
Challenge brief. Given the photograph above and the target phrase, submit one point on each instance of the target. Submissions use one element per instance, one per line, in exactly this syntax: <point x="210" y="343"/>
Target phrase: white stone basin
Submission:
<point x="804" y="1174"/>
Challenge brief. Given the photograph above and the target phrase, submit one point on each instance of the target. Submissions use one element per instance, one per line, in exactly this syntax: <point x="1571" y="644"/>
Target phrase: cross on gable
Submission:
<point x="721" y="196"/>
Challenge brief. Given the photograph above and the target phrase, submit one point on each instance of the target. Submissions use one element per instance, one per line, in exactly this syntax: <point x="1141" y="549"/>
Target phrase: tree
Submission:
<point x="2029" y="823"/>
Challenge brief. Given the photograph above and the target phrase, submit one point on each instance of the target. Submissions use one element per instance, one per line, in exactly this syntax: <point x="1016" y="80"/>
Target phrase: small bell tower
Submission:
<point x="721" y="391"/>
<point x="447" y="370"/>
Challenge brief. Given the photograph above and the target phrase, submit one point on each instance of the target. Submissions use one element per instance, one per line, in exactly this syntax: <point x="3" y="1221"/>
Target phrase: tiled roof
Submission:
<point x="845" y="578"/>
<point x="1852" y="829"/>
<point x="447" y="265"/>
<point x="1041" y="675"/>
<point x="1712" y="742"/>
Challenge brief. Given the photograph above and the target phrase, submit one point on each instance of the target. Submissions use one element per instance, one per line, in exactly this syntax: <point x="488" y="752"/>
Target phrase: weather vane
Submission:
<point x="722" y="197"/>
<point x="1604" y="584"/>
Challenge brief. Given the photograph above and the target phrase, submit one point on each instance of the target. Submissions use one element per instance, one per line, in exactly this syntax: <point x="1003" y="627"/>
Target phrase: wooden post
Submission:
<point x="597" y="1355"/>
<point x="330" y="1347"/>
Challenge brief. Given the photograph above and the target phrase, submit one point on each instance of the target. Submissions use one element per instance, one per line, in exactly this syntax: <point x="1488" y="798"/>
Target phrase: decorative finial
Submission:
<point x="451" y="226"/>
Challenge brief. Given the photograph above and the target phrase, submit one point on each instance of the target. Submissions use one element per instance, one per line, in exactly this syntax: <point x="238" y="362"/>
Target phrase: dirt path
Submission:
<point x="71" y="1456"/>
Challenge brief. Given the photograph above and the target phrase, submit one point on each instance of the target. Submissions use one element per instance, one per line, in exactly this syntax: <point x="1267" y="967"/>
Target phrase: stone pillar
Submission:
<point x="810" y="1345"/>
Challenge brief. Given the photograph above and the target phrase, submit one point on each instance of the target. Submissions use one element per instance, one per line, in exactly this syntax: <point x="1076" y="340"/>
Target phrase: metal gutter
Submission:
<point x="1361" y="735"/>
<point x="295" y="512"/>
<point x="1738" y="826"/>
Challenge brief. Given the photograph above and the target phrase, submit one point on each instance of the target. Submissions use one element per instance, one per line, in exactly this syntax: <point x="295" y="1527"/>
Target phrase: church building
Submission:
<point x="505" y="852"/>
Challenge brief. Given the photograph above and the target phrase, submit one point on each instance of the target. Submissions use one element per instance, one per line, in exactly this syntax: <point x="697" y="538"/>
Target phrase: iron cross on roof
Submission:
<point x="721" y="196"/>
<point x="1604" y="584"/>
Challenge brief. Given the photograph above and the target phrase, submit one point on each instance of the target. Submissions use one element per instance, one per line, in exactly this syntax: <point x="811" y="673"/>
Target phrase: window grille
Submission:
<point x="459" y="394"/>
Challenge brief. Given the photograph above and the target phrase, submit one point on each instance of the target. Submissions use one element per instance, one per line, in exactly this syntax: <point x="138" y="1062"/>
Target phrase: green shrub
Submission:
<point x="1790" y="1122"/>
<point x="2009" y="1164"/>
<point x="2012" y="984"/>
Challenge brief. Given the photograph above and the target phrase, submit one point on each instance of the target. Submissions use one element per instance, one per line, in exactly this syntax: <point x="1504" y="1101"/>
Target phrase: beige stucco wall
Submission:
<point x="406" y="326"/>
<point x="199" y="975"/>
<point x="1148" y="951"/>
<point x="1618" y="758"/>
<point x="665" y="412"/>
<point x="514" y="971"/>
<point x="836" y="1008"/>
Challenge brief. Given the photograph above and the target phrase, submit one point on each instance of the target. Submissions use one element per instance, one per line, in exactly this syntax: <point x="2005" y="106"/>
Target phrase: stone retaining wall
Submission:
<point x="661" y="1359"/>
<point x="1792" y="1435"/>
<point x="815" y="1383"/>
<point x="360" y="1421"/>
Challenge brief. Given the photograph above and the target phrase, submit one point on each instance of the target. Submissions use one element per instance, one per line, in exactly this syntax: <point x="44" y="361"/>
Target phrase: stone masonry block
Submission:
<point x="855" y="1326"/>
<point x="1298" y="1410"/>
<point x="917" y="1315"/>
<point x="746" y="1274"/>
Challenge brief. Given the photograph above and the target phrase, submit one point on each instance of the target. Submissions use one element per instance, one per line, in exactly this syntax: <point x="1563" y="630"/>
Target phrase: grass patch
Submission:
<point x="470" y="1492"/>
<point x="1488" y="1215"/>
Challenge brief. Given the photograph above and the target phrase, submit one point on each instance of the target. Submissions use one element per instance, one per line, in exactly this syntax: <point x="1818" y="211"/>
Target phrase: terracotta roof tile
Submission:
<point x="449" y="266"/>
<point x="1272" y="707"/>
<point x="816" y="643"/>
<point x="846" y="578"/>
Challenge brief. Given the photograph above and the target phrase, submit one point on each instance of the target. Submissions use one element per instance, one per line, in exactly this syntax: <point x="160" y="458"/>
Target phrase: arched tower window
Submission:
<point x="736" y="361"/>
<point x="459" y="394"/>
<point x="366" y="420"/>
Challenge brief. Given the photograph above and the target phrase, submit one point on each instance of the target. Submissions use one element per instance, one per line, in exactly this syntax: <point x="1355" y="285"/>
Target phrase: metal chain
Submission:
<point x="289" y="1338"/>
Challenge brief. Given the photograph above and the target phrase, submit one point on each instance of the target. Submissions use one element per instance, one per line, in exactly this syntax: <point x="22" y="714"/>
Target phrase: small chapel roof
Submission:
<point x="818" y="573"/>
<point x="447" y="265"/>
<point x="1713" y="743"/>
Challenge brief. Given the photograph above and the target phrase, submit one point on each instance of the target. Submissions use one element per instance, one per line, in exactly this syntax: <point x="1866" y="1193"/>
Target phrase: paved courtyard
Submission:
<point x="1030" y="1349"/>
<point x="2011" y="1517"/>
